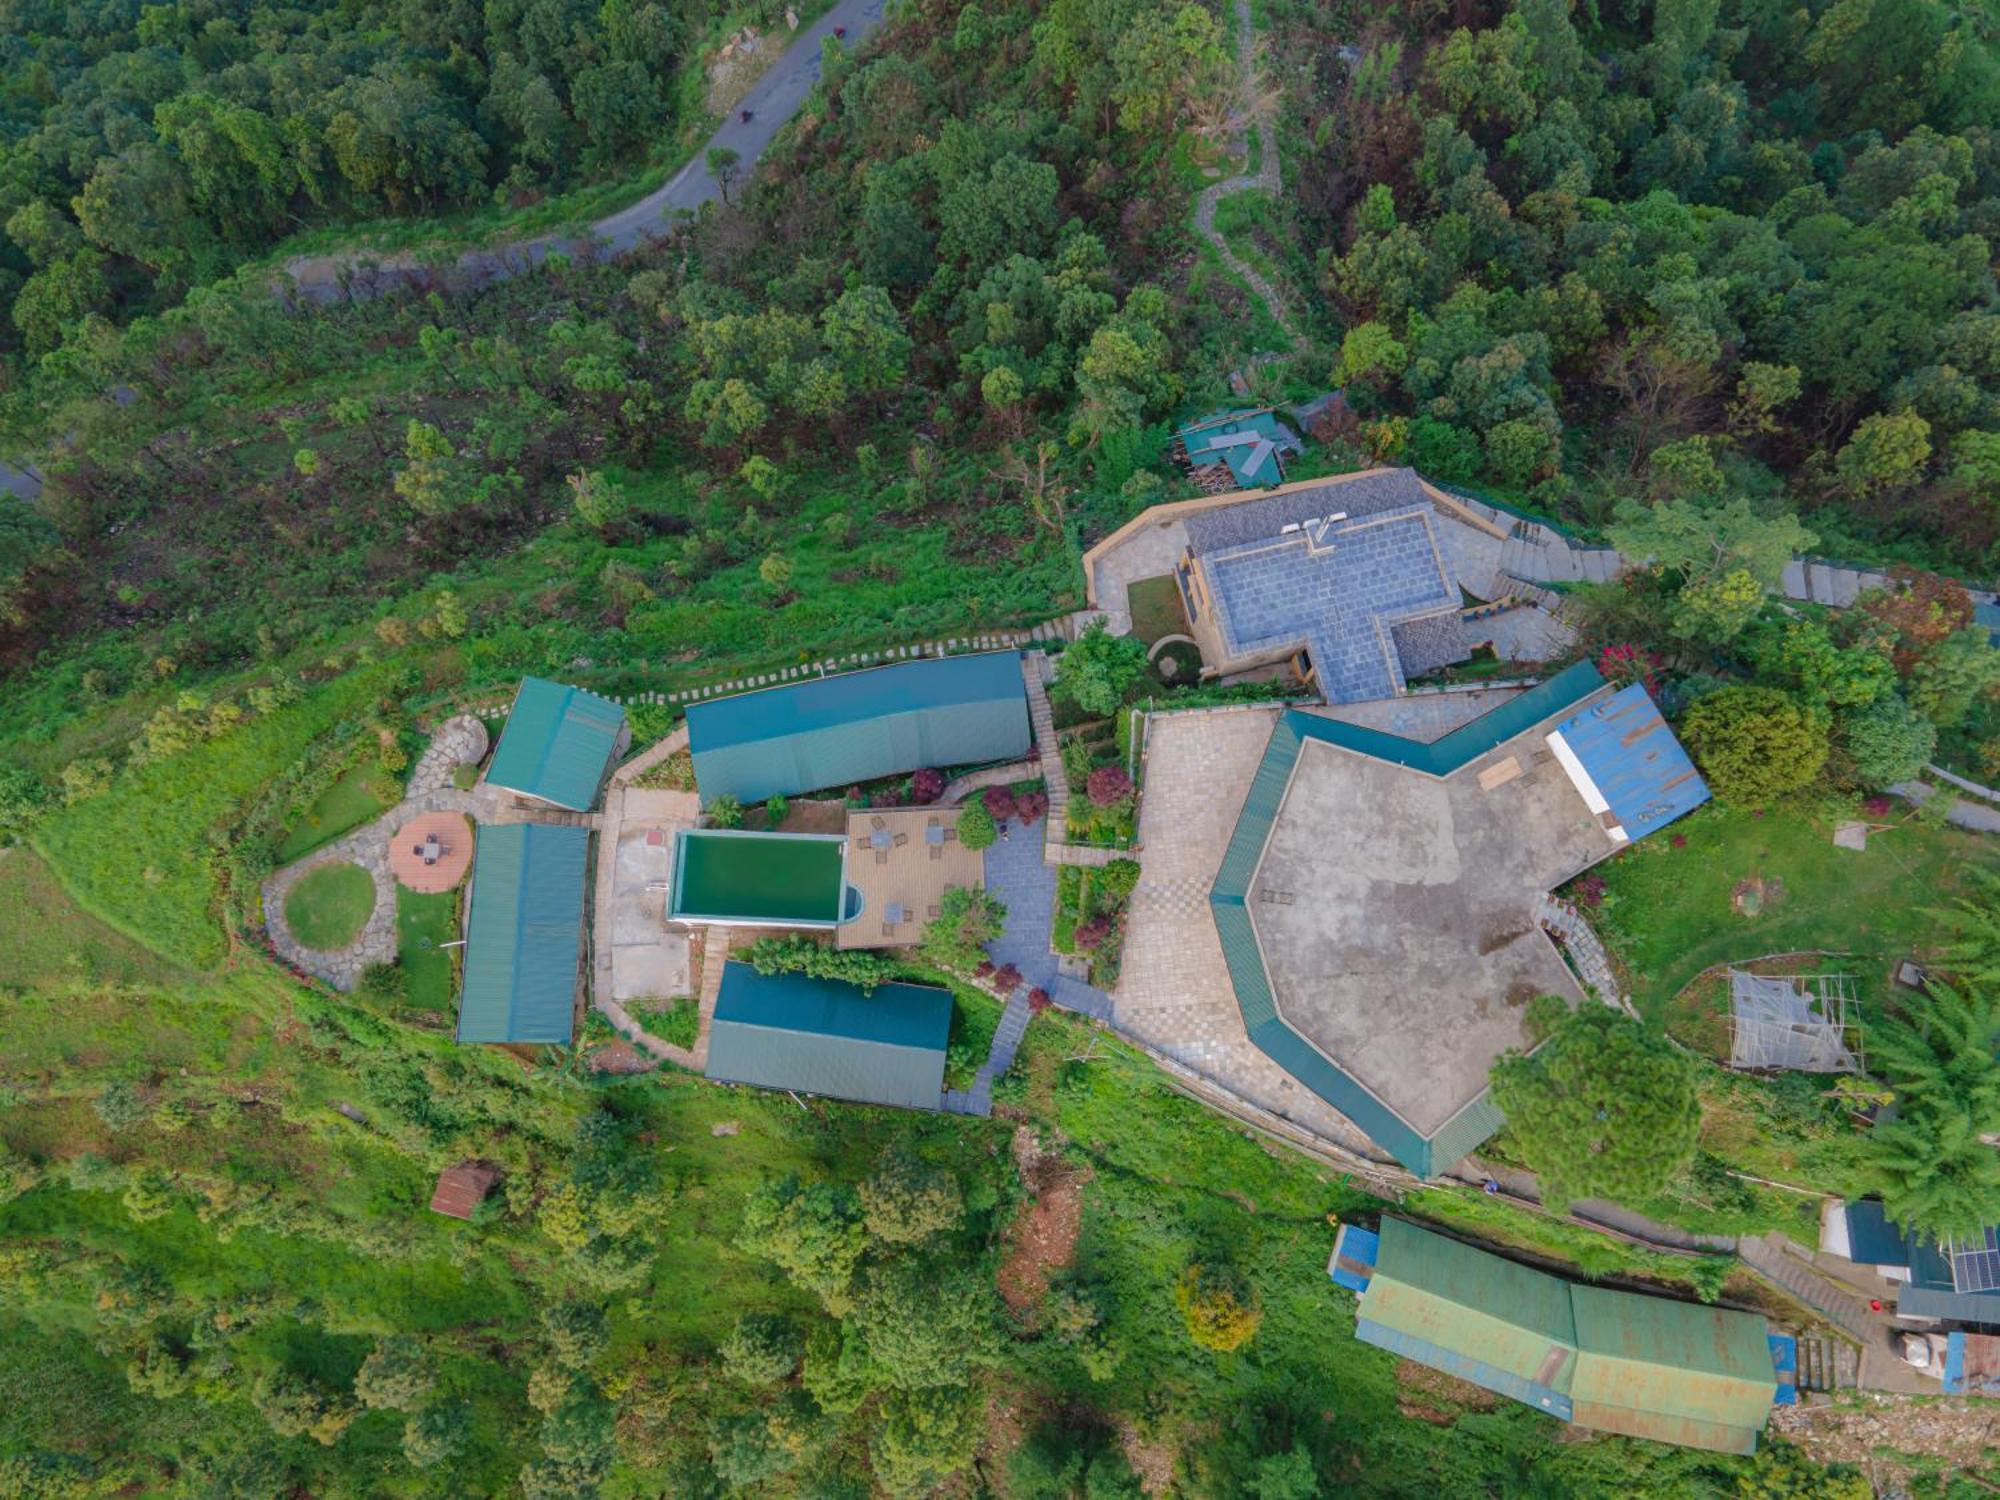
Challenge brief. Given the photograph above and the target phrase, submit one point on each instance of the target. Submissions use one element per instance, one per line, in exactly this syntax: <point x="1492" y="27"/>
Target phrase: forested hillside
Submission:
<point x="1712" y="279"/>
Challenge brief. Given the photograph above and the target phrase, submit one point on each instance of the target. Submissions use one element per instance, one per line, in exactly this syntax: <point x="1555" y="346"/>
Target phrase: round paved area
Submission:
<point x="453" y="834"/>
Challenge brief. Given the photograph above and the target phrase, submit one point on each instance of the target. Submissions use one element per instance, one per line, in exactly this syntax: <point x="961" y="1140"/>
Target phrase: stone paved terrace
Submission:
<point x="1019" y="876"/>
<point x="1174" y="993"/>
<point x="1396" y="914"/>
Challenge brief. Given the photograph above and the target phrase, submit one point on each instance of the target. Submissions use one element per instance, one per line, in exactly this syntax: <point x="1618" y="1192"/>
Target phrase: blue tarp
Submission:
<point x="1785" y="1363"/>
<point x="1353" y="1263"/>
<point x="1871" y="1239"/>
<point x="1630" y="753"/>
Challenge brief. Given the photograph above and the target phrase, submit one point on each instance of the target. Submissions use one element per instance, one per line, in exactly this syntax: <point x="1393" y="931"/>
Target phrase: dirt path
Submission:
<point x="770" y="103"/>
<point x="1266" y="177"/>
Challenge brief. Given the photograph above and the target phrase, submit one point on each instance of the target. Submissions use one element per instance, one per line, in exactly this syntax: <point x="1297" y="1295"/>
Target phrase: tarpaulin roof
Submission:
<point x="524" y="936"/>
<point x="556" y="743"/>
<point x="858" y="726"/>
<point x="1250" y="442"/>
<point x="822" y="1036"/>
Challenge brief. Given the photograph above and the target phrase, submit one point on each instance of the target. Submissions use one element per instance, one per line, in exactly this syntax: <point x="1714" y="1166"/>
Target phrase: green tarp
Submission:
<point x="524" y="938"/>
<point x="820" y="1036"/>
<point x="556" y="744"/>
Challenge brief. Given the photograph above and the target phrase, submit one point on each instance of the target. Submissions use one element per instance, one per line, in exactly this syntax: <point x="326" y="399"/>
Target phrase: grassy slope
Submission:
<point x="1668" y="914"/>
<point x="347" y="804"/>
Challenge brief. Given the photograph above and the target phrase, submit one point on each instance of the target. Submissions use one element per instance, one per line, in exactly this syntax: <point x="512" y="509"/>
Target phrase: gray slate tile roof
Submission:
<point x="1339" y="589"/>
<point x="1429" y="642"/>
<point x="1262" y="519"/>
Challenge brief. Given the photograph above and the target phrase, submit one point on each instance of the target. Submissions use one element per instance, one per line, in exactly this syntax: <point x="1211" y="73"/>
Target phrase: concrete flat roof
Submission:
<point x="1409" y="947"/>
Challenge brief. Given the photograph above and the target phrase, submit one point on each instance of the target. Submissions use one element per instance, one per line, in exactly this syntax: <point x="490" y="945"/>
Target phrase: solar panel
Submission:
<point x="1975" y="1263"/>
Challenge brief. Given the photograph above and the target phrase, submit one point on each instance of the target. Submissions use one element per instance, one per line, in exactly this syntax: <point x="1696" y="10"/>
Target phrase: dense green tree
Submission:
<point x="928" y="1325"/>
<point x="1099" y="669"/>
<point x="1602" y="1108"/>
<point x="436" y="1435"/>
<point x="396" y="1374"/>
<point x="1755" y="743"/>
<point x="1953" y="675"/>
<point x="906" y="1202"/>
<point x="925" y="1437"/>
<point x="761" y="1349"/>
<point x="814" y="1234"/>
<point x="1885" y="742"/>
<point x="967" y="920"/>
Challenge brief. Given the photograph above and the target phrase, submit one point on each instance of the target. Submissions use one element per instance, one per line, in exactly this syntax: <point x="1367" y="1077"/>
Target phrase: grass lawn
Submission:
<point x="1156" y="608"/>
<point x="348" y="803"/>
<point x="45" y="936"/>
<point x="423" y="923"/>
<point x="328" y="908"/>
<point x="975" y="1016"/>
<point x="1744" y="886"/>
<point x="677" y="1022"/>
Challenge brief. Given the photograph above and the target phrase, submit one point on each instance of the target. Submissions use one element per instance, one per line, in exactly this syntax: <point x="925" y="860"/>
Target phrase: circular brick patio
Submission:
<point x="453" y="835"/>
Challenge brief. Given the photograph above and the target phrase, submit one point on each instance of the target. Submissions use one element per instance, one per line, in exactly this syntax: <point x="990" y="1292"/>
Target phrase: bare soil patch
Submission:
<point x="1042" y="1238"/>
<point x="1894" y="1437"/>
<point x="1757" y="895"/>
<point x="1152" y="1458"/>
<point x="619" y="1058"/>
<point x="1427" y="1395"/>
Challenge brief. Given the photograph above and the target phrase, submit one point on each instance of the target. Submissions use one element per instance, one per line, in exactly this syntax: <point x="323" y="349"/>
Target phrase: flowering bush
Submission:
<point x="1624" y="664"/>
<point x="999" y="801"/>
<point x="926" y="786"/>
<point x="984" y="969"/>
<point x="1589" y="891"/>
<point x="1006" y="979"/>
<point x="1108" y="786"/>
<point x="1090" y="935"/>
<point x="1029" y="807"/>
<point x="1038" y="1000"/>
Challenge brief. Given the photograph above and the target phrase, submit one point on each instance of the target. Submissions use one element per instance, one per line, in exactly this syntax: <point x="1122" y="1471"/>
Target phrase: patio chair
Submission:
<point x="937" y="851"/>
<point x="878" y="821"/>
<point x="881" y="856"/>
<point x="951" y="835"/>
<point x="902" y="839"/>
<point x="935" y="912"/>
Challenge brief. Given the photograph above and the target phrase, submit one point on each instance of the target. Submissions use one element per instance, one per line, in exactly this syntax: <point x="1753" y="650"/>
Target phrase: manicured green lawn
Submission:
<point x="329" y="906"/>
<point x="1156" y="608"/>
<point x="423" y="923"/>
<point x="1743" y="886"/>
<point x="975" y="1016"/>
<point x="348" y="803"/>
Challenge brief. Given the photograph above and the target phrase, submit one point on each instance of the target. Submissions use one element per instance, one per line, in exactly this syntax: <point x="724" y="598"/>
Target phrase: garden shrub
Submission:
<point x="1218" y="1306"/>
<point x="725" y="812"/>
<point x="1755" y="743"/>
<point x="976" y="828"/>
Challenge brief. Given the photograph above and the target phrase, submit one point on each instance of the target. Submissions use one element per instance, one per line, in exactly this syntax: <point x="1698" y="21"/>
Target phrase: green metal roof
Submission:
<point x="730" y="875"/>
<point x="1501" y="1325"/>
<point x="821" y="1036"/>
<point x="556" y="743"/>
<point x="1671" y="1371"/>
<point x="858" y="726"/>
<point x="1245" y="961"/>
<point x="1675" y="1372"/>
<point x="524" y="937"/>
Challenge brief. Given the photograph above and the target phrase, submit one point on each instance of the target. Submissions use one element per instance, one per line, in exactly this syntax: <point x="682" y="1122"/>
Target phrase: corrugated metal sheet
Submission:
<point x="556" y="744"/>
<point x="1500" y="1325"/>
<point x="1352" y="1264"/>
<point x="1701" y="1377"/>
<point x="1630" y="753"/>
<point x="524" y="936"/>
<point x="1929" y="1293"/>
<point x="835" y="731"/>
<point x="818" y="1036"/>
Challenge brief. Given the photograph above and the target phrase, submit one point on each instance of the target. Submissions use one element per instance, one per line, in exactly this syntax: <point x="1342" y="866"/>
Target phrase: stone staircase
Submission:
<point x="1583" y="946"/>
<point x="1827" y="1364"/>
<point x="978" y="1100"/>
<point x="1773" y="1256"/>
<point x="1043" y="717"/>
<point x="1536" y="553"/>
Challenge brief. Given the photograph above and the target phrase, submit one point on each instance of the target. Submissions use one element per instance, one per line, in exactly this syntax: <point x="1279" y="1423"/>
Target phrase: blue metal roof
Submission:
<point x="823" y="1036"/>
<point x="1250" y="442"/>
<point x="1354" y="1251"/>
<point x="838" y="731"/>
<point x="1785" y="1365"/>
<point x="556" y="743"/>
<point x="851" y="697"/>
<point x="1627" y="749"/>
<point x="524" y="937"/>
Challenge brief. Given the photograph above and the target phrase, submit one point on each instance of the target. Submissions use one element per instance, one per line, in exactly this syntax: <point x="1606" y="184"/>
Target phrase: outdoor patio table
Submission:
<point x="933" y="834"/>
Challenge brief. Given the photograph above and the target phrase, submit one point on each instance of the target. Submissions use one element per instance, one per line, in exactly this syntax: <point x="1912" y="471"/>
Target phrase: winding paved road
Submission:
<point x="771" y="102"/>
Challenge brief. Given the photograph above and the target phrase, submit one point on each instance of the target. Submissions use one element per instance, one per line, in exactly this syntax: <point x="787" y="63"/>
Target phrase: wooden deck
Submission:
<point x="911" y="872"/>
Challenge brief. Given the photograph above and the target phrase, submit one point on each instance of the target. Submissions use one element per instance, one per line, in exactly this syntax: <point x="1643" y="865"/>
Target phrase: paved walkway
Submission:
<point x="771" y="102"/>
<point x="1265" y="179"/>
<point x="1964" y="814"/>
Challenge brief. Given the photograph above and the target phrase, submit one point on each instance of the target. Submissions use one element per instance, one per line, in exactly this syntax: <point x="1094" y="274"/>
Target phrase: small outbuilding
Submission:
<point x="461" y="1189"/>
<point x="823" y="1036"/>
<point x="524" y="939"/>
<point x="860" y="726"/>
<point x="558" y="744"/>
<point x="1613" y="1361"/>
